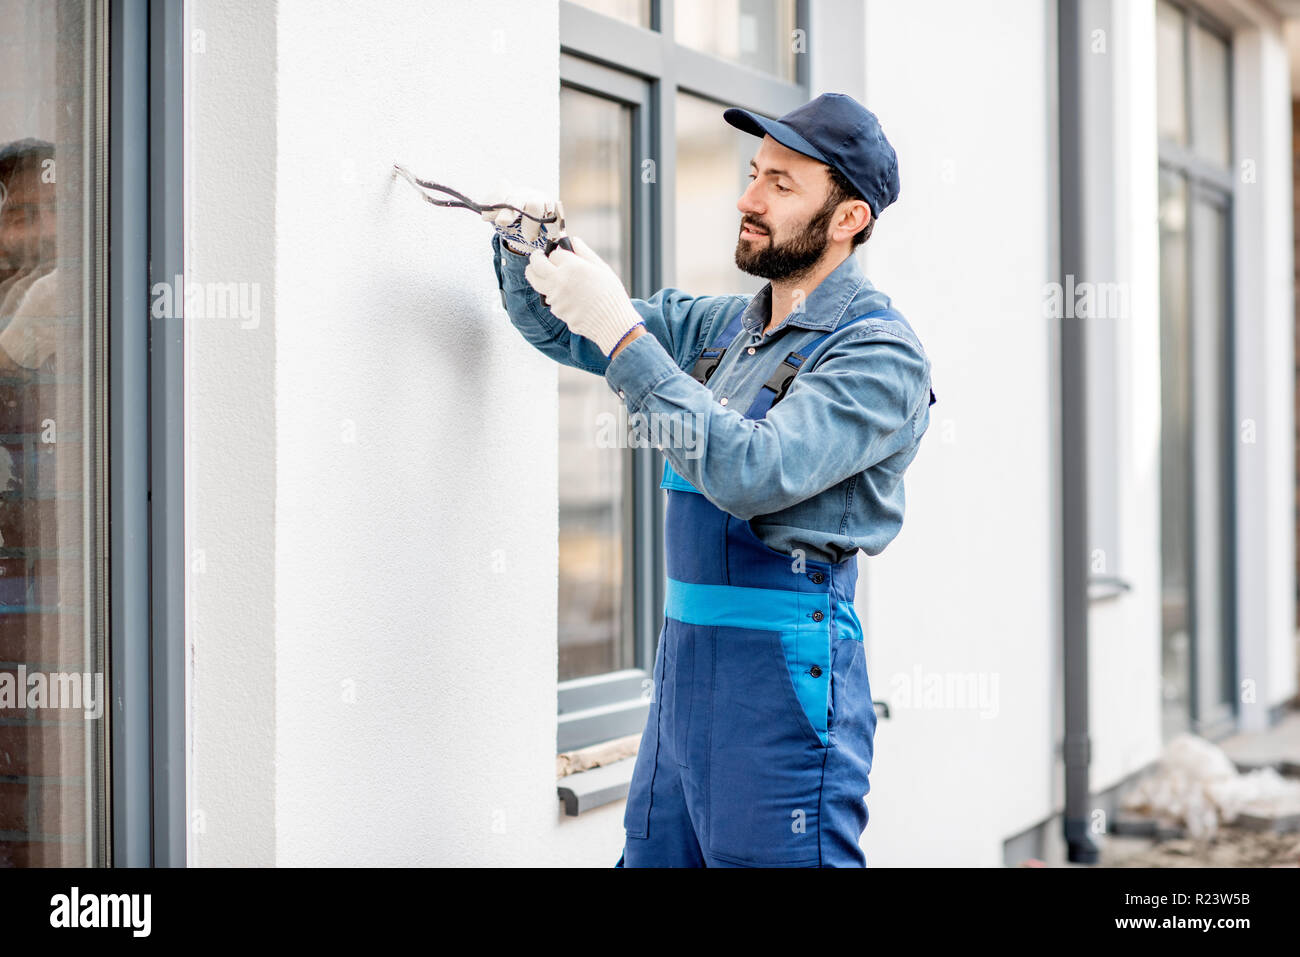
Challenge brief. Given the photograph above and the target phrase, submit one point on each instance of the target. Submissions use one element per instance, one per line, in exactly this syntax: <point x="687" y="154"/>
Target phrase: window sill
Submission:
<point x="1107" y="587"/>
<point x="596" y="787"/>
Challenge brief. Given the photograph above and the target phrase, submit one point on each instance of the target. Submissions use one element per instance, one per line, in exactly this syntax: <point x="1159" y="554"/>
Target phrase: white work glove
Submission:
<point x="584" y="293"/>
<point x="31" y="336"/>
<point x="520" y="233"/>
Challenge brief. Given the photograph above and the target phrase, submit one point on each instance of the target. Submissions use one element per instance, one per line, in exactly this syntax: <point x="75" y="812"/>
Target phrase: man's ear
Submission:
<point x="857" y="203"/>
<point x="867" y="209"/>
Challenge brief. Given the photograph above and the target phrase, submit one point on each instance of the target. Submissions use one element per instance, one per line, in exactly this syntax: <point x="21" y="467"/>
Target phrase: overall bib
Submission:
<point x="758" y="743"/>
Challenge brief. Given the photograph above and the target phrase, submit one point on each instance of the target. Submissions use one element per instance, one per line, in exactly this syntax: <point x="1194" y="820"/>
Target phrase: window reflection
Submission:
<point x="755" y="33"/>
<point x="52" y="675"/>
<point x="595" y="185"/>
<point x="1171" y="74"/>
<point x="712" y="173"/>
<point x="1211" y="99"/>
<point x="635" y="12"/>
<point x="1175" y="454"/>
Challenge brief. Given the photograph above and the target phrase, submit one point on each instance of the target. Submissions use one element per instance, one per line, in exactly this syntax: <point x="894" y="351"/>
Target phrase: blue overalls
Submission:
<point x="758" y="742"/>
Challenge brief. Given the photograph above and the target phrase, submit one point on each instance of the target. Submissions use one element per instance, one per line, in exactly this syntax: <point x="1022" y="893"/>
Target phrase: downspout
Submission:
<point x="1076" y="748"/>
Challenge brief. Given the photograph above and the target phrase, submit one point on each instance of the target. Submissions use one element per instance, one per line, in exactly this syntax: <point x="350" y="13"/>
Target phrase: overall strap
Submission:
<point x="775" y="388"/>
<point x="772" y="391"/>
<point x="711" y="356"/>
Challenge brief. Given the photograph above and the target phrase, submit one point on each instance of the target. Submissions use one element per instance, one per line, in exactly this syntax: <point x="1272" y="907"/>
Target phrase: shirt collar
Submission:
<point x="822" y="309"/>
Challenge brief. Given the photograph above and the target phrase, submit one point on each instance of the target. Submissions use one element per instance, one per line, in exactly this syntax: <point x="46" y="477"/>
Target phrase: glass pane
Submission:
<point x="1171" y="74"/>
<point x="52" y="675"/>
<point x="635" y="12"/>
<point x="1175" y="453"/>
<point x="756" y="33"/>
<point x="1211" y="99"/>
<point x="595" y="186"/>
<point x="712" y="173"/>
<point x="1211" y="434"/>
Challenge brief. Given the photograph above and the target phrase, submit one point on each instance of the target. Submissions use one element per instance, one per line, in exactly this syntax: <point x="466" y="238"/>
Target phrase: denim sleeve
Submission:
<point x="856" y="408"/>
<point x="679" y="322"/>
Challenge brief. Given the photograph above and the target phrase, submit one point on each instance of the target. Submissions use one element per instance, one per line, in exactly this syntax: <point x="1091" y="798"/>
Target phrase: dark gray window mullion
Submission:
<point x="1229" y="497"/>
<point x="732" y="83"/>
<point x="647" y="559"/>
<point x="166" y="436"/>
<point x="611" y="42"/>
<point x="663" y="209"/>
<point x="128" y="357"/>
<point x="1190" y="59"/>
<point x="663" y="96"/>
<point x="802" y="71"/>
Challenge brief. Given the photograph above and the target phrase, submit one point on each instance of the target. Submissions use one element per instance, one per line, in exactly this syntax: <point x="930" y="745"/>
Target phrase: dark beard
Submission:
<point x="790" y="260"/>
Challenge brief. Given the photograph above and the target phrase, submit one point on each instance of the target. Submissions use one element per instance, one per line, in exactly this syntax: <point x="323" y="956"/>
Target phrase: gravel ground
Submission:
<point x="1230" y="847"/>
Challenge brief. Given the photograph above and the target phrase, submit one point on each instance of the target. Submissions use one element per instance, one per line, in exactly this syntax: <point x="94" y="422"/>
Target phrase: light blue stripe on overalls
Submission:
<point x="741" y="607"/>
<point x="673" y="479"/>
<point x="735" y="606"/>
<point x="846" y="621"/>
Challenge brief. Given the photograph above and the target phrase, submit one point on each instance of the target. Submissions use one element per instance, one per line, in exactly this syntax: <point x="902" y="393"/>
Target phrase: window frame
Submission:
<point x="646" y="68"/>
<point x="145" y="442"/>
<point x="1208" y="182"/>
<point x="612" y="704"/>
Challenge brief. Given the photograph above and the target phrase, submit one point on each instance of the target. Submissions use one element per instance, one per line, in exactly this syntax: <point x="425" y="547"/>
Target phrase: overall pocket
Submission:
<point x="766" y="758"/>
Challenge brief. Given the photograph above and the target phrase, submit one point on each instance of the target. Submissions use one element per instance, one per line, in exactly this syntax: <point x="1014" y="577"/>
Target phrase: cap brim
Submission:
<point x="757" y="125"/>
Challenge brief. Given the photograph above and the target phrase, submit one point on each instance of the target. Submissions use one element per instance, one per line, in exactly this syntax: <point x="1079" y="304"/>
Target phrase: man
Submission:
<point x="28" y="277"/>
<point x="808" y="401"/>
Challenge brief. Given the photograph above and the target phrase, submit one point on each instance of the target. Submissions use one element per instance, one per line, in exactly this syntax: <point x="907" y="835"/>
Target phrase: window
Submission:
<point x="712" y="171"/>
<point x="636" y="12"/>
<point x="594" y="626"/>
<point x="53" y="688"/>
<point x="90" y="437"/>
<point x="755" y="33"/>
<point x="1197" y="441"/>
<point x="649" y="175"/>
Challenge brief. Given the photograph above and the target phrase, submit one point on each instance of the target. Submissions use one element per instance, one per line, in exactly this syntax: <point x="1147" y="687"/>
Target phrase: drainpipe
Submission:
<point x="1076" y="748"/>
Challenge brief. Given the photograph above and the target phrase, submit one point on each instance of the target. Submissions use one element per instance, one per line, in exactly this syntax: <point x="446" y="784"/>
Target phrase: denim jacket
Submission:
<point x="823" y="471"/>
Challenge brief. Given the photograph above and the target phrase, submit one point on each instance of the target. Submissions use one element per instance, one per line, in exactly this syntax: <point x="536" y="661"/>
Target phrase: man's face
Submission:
<point x="27" y="220"/>
<point x="785" y="225"/>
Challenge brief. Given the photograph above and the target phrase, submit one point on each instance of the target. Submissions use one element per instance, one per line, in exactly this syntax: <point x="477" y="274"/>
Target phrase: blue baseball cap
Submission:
<point x="837" y="130"/>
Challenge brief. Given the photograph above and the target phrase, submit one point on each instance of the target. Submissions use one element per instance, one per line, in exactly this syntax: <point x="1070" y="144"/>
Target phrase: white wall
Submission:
<point x="968" y="586"/>
<point x="373" y="598"/>
<point x="412" y="436"/>
<point x="230" y="433"/>
<point x="1123" y="246"/>
<point x="1264" y="288"/>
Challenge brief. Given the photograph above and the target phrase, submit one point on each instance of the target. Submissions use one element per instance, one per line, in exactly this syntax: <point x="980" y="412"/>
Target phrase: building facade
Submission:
<point x="379" y="562"/>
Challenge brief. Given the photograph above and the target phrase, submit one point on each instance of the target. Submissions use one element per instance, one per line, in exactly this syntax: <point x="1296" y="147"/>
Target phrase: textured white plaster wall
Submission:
<point x="967" y="587"/>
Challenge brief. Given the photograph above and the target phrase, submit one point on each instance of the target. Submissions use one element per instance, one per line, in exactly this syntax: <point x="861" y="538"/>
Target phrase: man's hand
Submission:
<point x="519" y="233"/>
<point x="585" y="294"/>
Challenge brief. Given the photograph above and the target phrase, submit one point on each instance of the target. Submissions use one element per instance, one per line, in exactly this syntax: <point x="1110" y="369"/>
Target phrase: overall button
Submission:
<point x="723" y="400"/>
<point x="817" y="616"/>
<point x="818" y="578"/>
<point x="815" y="671"/>
<point x="621" y="395"/>
<point x="752" y="350"/>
